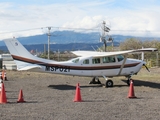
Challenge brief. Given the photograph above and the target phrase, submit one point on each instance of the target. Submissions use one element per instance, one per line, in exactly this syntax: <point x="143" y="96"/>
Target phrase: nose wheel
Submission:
<point x="129" y="80"/>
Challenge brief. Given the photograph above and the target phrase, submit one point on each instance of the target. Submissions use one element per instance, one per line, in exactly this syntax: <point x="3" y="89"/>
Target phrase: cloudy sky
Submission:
<point x="126" y="17"/>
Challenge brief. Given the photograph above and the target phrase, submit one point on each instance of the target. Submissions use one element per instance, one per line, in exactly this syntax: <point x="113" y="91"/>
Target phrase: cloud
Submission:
<point x="132" y="17"/>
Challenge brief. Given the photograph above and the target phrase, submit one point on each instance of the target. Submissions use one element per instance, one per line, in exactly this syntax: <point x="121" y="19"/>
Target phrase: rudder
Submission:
<point x="17" y="49"/>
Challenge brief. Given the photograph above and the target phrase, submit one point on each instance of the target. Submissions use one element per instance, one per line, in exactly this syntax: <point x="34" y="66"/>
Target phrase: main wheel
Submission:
<point x="109" y="83"/>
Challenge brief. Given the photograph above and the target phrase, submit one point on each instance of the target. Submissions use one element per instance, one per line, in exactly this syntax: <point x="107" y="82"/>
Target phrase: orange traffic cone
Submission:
<point x="20" y="98"/>
<point x="3" y="98"/>
<point x="3" y="76"/>
<point x="131" y="90"/>
<point x="77" y="97"/>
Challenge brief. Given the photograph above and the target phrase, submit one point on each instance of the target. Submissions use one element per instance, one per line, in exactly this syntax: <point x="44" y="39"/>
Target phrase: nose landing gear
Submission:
<point x="129" y="80"/>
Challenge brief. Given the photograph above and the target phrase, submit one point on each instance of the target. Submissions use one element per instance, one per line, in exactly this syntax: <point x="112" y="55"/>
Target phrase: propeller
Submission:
<point x="146" y="67"/>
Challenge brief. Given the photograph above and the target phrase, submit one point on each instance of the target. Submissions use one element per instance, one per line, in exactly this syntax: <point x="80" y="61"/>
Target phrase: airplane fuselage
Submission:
<point x="90" y="66"/>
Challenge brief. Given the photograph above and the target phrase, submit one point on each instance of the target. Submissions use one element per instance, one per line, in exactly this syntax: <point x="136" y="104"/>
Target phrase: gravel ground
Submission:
<point x="50" y="97"/>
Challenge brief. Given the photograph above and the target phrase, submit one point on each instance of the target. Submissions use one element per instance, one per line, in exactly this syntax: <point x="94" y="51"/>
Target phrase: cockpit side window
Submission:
<point x="96" y="61"/>
<point x="120" y="58"/>
<point x="109" y="59"/>
<point x="86" y="61"/>
<point x="75" y="60"/>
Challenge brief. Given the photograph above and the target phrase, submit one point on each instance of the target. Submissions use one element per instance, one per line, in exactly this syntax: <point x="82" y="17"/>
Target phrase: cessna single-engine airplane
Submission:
<point x="89" y="63"/>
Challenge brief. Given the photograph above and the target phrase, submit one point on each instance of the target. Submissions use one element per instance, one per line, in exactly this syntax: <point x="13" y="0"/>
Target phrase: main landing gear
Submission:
<point x="95" y="80"/>
<point x="109" y="83"/>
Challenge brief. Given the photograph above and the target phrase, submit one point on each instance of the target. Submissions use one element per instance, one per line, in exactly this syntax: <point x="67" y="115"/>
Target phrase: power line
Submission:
<point x="153" y="31"/>
<point x="137" y="30"/>
<point x="20" y="30"/>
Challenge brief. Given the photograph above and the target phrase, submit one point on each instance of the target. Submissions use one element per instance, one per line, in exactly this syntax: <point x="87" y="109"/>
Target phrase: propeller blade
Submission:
<point x="146" y="67"/>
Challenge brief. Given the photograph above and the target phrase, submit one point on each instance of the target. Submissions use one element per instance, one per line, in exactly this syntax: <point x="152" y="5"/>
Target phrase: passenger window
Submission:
<point x="112" y="59"/>
<point x="109" y="59"/>
<point x="105" y="60"/>
<point x="86" y="61"/>
<point x="96" y="60"/>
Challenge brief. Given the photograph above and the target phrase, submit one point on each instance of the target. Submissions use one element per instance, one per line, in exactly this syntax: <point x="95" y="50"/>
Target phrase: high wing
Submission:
<point x="101" y="54"/>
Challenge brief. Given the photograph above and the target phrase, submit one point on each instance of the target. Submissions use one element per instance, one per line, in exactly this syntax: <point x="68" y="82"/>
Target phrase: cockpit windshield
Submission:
<point x="75" y="60"/>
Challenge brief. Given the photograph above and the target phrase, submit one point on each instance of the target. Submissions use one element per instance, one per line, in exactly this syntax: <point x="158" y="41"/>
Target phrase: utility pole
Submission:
<point x="45" y="49"/>
<point x="111" y="39"/>
<point x="103" y="37"/>
<point x="49" y="28"/>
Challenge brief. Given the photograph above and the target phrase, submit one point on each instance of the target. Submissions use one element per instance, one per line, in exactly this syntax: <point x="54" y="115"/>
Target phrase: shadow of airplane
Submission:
<point x="136" y="83"/>
<point x="145" y="83"/>
<point x="70" y="87"/>
<point x="62" y="87"/>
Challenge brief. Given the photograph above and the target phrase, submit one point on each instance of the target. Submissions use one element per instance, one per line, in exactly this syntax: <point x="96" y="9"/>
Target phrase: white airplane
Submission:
<point x="89" y="63"/>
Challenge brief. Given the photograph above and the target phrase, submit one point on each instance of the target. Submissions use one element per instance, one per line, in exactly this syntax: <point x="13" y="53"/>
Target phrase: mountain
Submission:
<point x="69" y="40"/>
<point x="61" y="47"/>
<point x="60" y="37"/>
<point x="65" y="37"/>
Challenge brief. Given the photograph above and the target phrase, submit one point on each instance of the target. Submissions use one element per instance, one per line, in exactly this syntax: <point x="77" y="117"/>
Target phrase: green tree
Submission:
<point x="130" y="44"/>
<point x="134" y="43"/>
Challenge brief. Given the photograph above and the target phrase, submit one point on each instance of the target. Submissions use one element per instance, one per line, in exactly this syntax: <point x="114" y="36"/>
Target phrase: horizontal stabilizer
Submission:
<point x="30" y="67"/>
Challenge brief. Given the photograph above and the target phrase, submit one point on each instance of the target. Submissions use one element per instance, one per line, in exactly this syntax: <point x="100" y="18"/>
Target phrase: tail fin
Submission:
<point x="24" y="60"/>
<point x="16" y="48"/>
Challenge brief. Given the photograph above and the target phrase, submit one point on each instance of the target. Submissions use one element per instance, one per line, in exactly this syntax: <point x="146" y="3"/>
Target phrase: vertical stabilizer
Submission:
<point x="24" y="59"/>
<point x="17" y="49"/>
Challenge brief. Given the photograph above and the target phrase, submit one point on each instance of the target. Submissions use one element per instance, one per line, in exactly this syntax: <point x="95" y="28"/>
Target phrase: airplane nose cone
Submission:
<point x="144" y="63"/>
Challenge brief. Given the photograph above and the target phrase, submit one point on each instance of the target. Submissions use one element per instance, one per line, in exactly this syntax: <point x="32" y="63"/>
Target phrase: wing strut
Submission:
<point x="122" y="66"/>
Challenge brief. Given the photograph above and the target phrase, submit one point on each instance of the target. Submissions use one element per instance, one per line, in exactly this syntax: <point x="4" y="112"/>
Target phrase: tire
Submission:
<point x="109" y="83"/>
